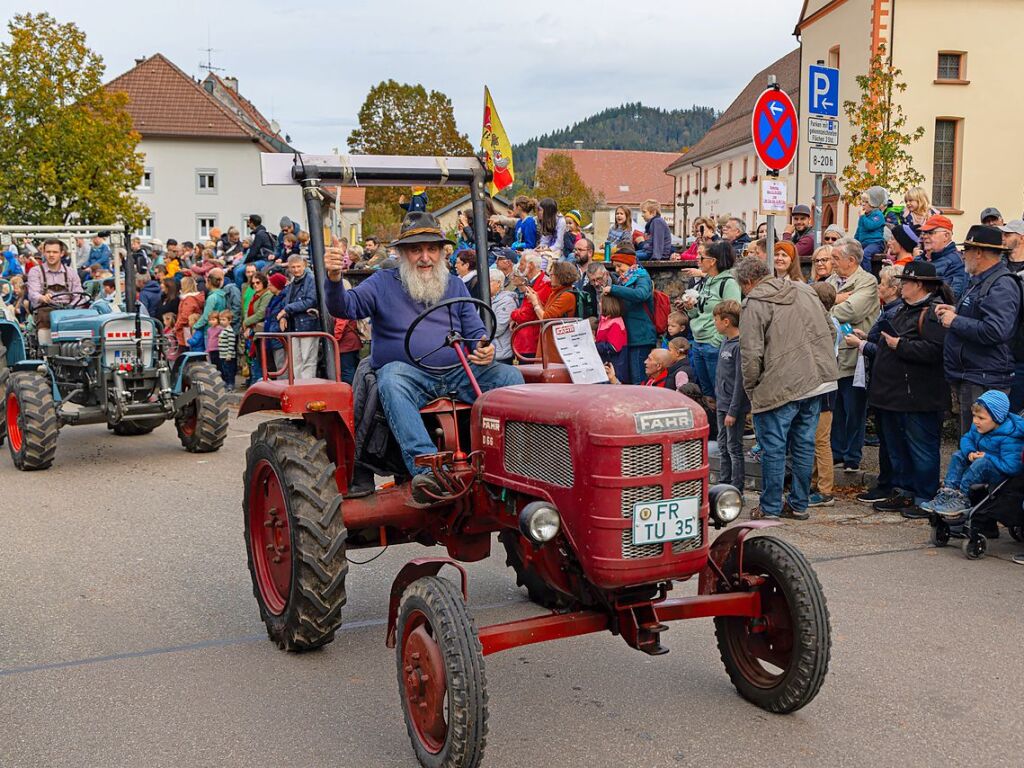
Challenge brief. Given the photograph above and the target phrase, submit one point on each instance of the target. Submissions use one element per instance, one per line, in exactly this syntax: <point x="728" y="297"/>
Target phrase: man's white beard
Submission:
<point x="427" y="289"/>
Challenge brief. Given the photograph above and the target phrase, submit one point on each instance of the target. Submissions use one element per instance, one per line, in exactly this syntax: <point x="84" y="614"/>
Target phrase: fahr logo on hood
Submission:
<point x="663" y="421"/>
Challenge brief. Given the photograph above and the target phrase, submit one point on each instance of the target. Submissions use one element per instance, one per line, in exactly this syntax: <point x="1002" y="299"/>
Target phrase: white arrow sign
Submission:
<point x="775" y="108"/>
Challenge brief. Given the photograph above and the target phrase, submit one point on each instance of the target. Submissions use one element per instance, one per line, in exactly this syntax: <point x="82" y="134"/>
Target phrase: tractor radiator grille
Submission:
<point x="632" y="496"/>
<point x="687" y="455"/>
<point x="539" y="452"/>
<point x="641" y="460"/>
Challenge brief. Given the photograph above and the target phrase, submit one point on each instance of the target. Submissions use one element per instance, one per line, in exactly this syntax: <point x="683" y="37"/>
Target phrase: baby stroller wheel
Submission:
<point x="940" y="534"/>
<point x="1017" y="532"/>
<point x="975" y="547"/>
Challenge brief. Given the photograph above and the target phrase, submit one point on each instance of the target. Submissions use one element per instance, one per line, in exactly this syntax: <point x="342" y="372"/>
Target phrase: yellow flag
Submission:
<point x="496" y="147"/>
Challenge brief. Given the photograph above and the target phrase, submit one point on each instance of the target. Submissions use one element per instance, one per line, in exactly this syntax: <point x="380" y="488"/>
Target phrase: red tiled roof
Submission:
<point x="732" y="129"/>
<point x="620" y="176"/>
<point x="164" y="101"/>
<point x="352" y="198"/>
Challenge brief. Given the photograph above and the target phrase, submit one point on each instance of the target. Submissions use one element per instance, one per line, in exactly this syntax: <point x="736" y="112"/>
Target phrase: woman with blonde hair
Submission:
<point x="822" y="265"/>
<point x="917" y="207"/>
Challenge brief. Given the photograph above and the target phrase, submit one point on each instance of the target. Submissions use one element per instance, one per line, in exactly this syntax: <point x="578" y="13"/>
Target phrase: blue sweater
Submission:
<point x="1002" y="446"/>
<point x="99" y="254"/>
<point x="526" y="233"/>
<point x="869" y="227"/>
<point x="391" y="310"/>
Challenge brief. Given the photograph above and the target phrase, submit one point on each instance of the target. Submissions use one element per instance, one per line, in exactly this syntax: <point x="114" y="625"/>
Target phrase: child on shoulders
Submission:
<point x="871" y="225"/>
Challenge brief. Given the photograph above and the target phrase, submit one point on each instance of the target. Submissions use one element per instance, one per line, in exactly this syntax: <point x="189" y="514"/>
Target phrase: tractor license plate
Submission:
<point x="655" y="522"/>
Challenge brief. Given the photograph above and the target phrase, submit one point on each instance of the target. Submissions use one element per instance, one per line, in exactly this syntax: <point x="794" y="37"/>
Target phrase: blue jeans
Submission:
<point x="963" y="474"/>
<point x="349" y="363"/>
<point x="912" y="442"/>
<point x="792" y="425"/>
<point x="705" y="365"/>
<point x="730" y="451"/>
<point x="848" y="421"/>
<point x="637" y="358"/>
<point x="404" y="389"/>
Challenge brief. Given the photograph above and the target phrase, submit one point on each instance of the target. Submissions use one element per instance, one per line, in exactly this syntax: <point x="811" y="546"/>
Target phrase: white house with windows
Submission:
<point x="202" y="160"/>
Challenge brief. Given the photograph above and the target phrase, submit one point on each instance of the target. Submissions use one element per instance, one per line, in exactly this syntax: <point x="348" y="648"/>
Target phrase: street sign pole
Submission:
<point x="818" y="179"/>
<point x="770" y="233"/>
<point x="775" y="129"/>
<point x="824" y="93"/>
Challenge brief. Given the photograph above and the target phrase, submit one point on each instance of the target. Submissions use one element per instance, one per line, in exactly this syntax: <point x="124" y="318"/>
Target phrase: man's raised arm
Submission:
<point x="352" y="304"/>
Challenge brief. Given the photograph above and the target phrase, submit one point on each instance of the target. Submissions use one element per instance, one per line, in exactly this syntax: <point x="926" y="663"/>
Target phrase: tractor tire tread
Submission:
<point x="539" y="591"/>
<point x="313" y="614"/>
<point x="39" y="427"/>
<point x="811" y="621"/>
<point x="211" y="410"/>
<point x="456" y="634"/>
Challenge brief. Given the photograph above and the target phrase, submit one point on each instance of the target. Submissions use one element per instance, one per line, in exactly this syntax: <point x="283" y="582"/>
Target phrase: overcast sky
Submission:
<point x="548" y="64"/>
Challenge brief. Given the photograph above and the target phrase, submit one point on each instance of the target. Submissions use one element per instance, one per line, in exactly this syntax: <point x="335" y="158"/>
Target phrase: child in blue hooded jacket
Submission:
<point x="990" y="452"/>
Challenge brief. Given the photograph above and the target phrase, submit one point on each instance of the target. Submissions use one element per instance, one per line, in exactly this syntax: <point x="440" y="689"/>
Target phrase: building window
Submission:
<point x="729" y="180"/>
<point x="146" y="230"/>
<point x="951" y="66"/>
<point x="204" y="223"/>
<point x="833" y="57"/>
<point x="146" y="185"/>
<point x="206" y="181"/>
<point x="744" y="179"/>
<point x="945" y="175"/>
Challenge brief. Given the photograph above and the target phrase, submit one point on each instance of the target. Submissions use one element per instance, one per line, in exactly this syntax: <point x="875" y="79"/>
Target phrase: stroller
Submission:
<point x="990" y="506"/>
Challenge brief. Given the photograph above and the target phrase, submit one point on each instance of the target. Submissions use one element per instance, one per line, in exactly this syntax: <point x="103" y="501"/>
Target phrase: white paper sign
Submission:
<point x="773" y="197"/>
<point x="575" y="343"/>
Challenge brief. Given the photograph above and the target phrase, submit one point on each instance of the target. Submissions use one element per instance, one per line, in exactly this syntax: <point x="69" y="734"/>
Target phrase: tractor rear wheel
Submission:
<point x="31" y="420"/>
<point x="540" y="592"/>
<point x="294" y="535"/>
<point x="203" y="423"/>
<point x="5" y="374"/>
<point x="778" y="660"/>
<point x="441" y="679"/>
<point x="132" y="428"/>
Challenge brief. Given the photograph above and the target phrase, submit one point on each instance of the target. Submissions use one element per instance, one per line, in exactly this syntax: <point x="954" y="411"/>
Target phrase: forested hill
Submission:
<point x="631" y="126"/>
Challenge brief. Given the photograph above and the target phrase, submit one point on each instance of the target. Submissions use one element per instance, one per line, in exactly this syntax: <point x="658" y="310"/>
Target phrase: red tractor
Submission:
<point x="599" y="495"/>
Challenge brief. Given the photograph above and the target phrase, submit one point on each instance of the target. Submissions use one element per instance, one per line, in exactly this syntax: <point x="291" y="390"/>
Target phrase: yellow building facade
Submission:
<point x="962" y="66"/>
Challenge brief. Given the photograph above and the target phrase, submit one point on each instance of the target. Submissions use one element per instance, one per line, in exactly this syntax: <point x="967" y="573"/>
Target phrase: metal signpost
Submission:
<point x="775" y="128"/>
<point x="822" y="132"/>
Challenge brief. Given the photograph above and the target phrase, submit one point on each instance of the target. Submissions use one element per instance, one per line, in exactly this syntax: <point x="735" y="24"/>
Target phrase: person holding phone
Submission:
<point x="907" y="388"/>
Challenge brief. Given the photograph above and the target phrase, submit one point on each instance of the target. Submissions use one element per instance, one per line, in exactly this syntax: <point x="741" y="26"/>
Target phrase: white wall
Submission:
<point x="176" y="203"/>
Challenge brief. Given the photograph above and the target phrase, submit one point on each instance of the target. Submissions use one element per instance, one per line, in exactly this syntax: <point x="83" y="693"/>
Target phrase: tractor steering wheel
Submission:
<point x="77" y="295"/>
<point x="453" y="337"/>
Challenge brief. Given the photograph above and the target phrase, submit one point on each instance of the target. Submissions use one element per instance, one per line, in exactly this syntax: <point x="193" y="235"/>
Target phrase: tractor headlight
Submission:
<point x="539" y="521"/>
<point x="87" y="347"/>
<point x="726" y="503"/>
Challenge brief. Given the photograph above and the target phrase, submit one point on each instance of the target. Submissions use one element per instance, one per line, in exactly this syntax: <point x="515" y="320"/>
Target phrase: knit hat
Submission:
<point x="834" y="228"/>
<point x="278" y="280"/>
<point x="905" y="235"/>
<point x="996" y="403"/>
<point x="877" y="196"/>
<point x="574" y="216"/>
<point x="622" y="256"/>
<point x="786" y="247"/>
<point x="285" y="222"/>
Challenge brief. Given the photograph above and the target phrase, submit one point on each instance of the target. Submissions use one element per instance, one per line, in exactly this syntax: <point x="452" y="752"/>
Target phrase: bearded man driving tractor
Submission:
<point x="52" y="278"/>
<point x="393" y="299"/>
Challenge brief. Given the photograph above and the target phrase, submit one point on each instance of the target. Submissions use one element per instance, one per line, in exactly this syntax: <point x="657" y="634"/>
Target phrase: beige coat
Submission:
<point x="787" y="343"/>
<point x="860" y="311"/>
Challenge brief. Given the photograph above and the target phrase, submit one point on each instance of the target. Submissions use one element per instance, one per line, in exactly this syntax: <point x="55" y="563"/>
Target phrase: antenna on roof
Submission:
<point x="208" y="66"/>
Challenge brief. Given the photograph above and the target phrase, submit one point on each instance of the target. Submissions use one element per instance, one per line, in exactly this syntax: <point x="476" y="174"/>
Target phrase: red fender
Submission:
<point x="411" y="571"/>
<point x="721" y="547"/>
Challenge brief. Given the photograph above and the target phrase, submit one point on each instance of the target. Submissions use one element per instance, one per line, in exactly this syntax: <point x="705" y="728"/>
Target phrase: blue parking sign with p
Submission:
<point x="823" y="90"/>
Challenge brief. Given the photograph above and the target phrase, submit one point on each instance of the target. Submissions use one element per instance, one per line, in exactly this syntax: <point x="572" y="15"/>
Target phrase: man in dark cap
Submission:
<point x="392" y="299"/>
<point x="799" y="231"/>
<point x="991" y="217"/>
<point x="978" y="355"/>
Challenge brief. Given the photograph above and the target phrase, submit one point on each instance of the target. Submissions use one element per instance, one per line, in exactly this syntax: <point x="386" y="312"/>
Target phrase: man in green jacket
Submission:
<point x="788" y="362"/>
<point x="857" y="304"/>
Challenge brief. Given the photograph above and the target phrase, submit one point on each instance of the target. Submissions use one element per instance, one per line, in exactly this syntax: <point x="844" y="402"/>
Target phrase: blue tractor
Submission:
<point x="102" y="366"/>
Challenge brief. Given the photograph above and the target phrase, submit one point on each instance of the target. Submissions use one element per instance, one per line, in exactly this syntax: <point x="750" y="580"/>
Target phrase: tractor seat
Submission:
<point x="536" y="373"/>
<point x="443" y="405"/>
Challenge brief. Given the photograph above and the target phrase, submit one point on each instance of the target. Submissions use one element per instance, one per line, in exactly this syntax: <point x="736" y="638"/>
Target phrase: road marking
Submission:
<point x="349" y="627"/>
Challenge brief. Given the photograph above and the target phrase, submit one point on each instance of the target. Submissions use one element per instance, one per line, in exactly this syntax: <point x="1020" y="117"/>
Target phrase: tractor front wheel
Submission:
<point x="540" y="592"/>
<point x="294" y="535"/>
<point x="133" y="428"/>
<point x="31" y="420"/>
<point x="779" y="659"/>
<point x="441" y="678"/>
<point x="203" y="423"/>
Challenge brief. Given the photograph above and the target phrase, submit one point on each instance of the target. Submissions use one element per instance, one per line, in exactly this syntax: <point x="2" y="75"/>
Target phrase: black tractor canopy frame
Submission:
<point x="311" y="171"/>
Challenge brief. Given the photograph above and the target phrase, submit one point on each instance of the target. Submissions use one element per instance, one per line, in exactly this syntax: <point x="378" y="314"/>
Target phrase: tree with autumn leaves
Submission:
<point x="558" y="179"/>
<point x="879" y="145"/>
<point x="402" y="119"/>
<point x="68" y="153"/>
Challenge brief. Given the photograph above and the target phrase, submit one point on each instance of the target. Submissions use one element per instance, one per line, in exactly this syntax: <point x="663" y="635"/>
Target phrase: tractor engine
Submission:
<point x="625" y="468"/>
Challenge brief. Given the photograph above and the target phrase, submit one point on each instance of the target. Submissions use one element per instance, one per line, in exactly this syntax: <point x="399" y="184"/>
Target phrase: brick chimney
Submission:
<point x="231" y="82"/>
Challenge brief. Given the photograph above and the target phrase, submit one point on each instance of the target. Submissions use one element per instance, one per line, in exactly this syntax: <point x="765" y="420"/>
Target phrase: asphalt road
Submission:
<point x="129" y="637"/>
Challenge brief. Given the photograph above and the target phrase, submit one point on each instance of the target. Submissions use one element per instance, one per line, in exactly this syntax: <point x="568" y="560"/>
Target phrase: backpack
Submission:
<point x="661" y="306"/>
<point x="1017" y="340"/>
<point x="584" y="303"/>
